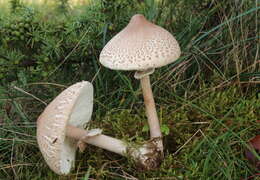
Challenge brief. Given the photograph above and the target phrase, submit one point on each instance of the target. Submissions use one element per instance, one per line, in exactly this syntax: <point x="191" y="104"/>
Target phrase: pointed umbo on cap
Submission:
<point x="139" y="46"/>
<point x="72" y="107"/>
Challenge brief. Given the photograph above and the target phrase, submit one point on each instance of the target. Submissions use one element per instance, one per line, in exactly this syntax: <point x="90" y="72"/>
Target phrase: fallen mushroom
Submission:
<point x="60" y="131"/>
<point x="142" y="46"/>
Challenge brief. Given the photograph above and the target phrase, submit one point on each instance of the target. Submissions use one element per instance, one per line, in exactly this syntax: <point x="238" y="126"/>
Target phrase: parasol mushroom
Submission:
<point x="142" y="46"/>
<point x="60" y="131"/>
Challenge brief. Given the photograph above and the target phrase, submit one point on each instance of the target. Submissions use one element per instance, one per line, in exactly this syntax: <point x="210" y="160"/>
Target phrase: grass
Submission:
<point x="206" y="137"/>
<point x="206" y="101"/>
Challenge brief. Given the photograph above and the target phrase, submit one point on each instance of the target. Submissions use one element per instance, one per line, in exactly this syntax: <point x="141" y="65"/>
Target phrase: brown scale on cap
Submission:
<point x="140" y="45"/>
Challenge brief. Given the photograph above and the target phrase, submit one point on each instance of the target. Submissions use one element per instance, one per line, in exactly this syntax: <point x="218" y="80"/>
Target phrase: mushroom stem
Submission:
<point x="151" y="113"/>
<point x="100" y="140"/>
<point x="147" y="156"/>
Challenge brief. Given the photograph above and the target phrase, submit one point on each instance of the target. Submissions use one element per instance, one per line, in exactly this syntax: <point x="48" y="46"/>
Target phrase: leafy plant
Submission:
<point x="15" y="5"/>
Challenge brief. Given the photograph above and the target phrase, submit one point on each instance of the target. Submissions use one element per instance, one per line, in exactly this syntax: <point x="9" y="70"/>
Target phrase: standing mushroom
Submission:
<point x="142" y="46"/>
<point x="60" y="131"/>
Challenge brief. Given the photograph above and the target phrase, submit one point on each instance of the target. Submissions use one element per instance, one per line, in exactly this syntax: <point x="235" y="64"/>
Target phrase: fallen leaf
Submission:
<point x="255" y="144"/>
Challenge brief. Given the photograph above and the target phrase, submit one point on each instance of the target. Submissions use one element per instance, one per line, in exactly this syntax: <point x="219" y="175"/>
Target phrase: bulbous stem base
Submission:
<point x="149" y="156"/>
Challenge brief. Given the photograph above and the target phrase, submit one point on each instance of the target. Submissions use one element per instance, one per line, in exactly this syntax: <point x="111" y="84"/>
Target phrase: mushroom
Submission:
<point x="60" y="131"/>
<point x="142" y="46"/>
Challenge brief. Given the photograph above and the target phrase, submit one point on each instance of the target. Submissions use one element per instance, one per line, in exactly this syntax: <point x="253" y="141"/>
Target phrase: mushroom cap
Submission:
<point x="73" y="107"/>
<point x="139" y="46"/>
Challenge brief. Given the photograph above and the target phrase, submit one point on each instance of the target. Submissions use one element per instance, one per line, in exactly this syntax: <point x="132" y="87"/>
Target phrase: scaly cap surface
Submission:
<point x="139" y="46"/>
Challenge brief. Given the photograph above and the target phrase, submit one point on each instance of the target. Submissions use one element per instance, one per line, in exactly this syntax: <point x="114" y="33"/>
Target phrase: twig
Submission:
<point x="253" y="176"/>
<point x="65" y="59"/>
<point x="125" y="177"/>
<point x="199" y="123"/>
<point x="176" y="152"/>
<point x="47" y="83"/>
<point x="11" y="160"/>
<point x="14" y="165"/>
<point x="23" y="134"/>
<point x="23" y="91"/>
<point x="95" y="75"/>
<point x="31" y="142"/>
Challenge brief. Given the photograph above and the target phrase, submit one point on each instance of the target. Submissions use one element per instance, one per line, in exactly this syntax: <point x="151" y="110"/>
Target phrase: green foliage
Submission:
<point x="15" y="5"/>
<point x="40" y="45"/>
<point x="47" y="45"/>
<point x="63" y="6"/>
